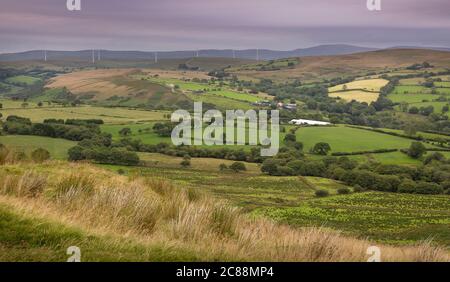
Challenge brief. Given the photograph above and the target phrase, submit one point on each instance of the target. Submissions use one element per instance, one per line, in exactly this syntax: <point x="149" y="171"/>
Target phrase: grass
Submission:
<point x="412" y="98"/>
<point x="123" y="218"/>
<point x="108" y="115"/>
<point x="57" y="147"/>
<point x="393" y="218"/>
<point x="346" y="139"/>
<point x="23" y="79"/>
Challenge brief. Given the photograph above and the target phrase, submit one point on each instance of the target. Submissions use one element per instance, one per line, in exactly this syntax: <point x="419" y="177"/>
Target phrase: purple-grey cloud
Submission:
<point x="192" y="24"/>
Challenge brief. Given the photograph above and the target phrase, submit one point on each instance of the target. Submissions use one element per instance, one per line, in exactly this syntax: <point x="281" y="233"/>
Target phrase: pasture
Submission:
<point x="57" y="147"/>
<point x="346" y="139"/>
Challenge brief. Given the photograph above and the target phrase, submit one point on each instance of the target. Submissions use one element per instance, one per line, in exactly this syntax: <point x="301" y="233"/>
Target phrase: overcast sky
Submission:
<point x="201" y="24"/>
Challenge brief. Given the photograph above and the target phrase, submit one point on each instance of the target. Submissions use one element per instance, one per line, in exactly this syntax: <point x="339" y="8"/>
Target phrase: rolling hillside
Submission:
<point x="317" y="68"/>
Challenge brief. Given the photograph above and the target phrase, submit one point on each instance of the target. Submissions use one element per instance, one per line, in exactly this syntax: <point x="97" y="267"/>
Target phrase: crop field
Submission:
<point x="108" y="115"/>
<point x="346" y="139"/>
<point x="386" y="217"/>
<point x="372" y="85"/>
<point x="57" y="147"/>
<point x="417" y="89"/>
<point x="412" y="81"/>
<point x="357" y="95"/>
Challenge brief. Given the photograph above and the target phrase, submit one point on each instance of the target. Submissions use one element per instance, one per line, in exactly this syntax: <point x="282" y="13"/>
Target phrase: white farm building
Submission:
<point x="308" y="122"/>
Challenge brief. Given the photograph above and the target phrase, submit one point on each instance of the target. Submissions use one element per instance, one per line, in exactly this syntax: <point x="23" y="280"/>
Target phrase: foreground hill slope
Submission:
<point x="48" y="207"/>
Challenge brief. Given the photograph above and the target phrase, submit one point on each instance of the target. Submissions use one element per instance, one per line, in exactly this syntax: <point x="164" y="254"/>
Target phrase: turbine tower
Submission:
<point x="156" y="57"/>
<point x="98" y="55"/>
<point x="45" y="55"/>
<point x="257" y="54"/>
<point x="93" y="56"/>
<point x="234" y="54"/>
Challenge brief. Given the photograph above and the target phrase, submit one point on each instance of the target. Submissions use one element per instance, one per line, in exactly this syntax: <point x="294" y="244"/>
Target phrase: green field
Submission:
<point x="412" y="98"/>
<point x="387" y="217"/>
<point x="346" y="139"/>
<point x="57" y="147"/>
<point x="22" y="79"/>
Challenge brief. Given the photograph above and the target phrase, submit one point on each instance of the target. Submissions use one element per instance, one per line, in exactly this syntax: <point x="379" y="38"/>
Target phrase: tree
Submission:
<point x="1" y="106"/>
<point x="413" y="110"/>
<point x="1" y="115"/>
<point x="237" y="167"/>
<point x="290" y="138"/>
<point x="40" y="155"/>
<point x="40" y="104"/>
<point x="125" y="131"/>
<point x="321" y="148"/>
<point x="416" y="150"/>
<point x="223" y="167"/>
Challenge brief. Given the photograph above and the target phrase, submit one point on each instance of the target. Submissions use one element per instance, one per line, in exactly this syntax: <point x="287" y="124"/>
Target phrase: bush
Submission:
<point x="428" y="188"/>
<point x="407" y="186"/>
<point x="186" y="162"/>
<point x="223" y="167"/>
<point x="343" y="191"/>
<point x="237" y="167"/>
<point x="416" y="150"/>
<point x="357" y="189"/>
<point x="40" y="155"/>
<point x="322" y="193"/>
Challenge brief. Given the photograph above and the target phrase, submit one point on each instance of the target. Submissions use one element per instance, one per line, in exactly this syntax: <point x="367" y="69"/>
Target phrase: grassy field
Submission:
<point x="346" y="139"/>
<point x="108" y="115"/>
<point x="372" y="85"/>
<point x="391" y="218"/>
<point x="23" y="79"/>
<point x="412" y="98"/>
<point x="57" y="147"/>
<point x="357" y="95"/>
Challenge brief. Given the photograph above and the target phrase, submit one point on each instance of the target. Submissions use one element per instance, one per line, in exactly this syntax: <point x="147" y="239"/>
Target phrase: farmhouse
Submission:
<point x="308" y="122"/>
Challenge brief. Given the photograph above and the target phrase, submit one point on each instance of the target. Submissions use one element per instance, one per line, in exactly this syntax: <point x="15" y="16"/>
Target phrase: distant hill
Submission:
<point x="314" y="68"/>
<point x="250" y="54"/>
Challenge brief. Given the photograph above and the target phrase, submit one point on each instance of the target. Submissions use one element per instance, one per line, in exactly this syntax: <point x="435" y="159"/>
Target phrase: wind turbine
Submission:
<point x="93" y="56"/>
<point x="257" y="54"/>
<point x="156" y="57"/>
<point x="234" y="54"/>
<point x="45" y="55"/>
<point x="98" y="55"/>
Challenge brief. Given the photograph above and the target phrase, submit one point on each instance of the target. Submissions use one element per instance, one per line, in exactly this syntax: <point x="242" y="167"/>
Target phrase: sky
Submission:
<point x="162" y="25"/>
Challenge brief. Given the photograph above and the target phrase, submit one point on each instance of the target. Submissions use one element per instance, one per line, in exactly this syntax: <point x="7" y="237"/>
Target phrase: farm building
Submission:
<point x="308" y="122"/>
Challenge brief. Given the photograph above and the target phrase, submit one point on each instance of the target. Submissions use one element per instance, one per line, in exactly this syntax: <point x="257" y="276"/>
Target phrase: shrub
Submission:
<point x="416" y="150"/>
<point x="407" y="186"/>
<point x="357" y="189"/>
<point x="237" y="167"/>
<point x="321" y="148"/>
<point x="322" y="193"/>
<point x="40" y="155"/>
<point x="223" y="167"/>
<point x="428" y="188"/>
<point x="343" y="191"/>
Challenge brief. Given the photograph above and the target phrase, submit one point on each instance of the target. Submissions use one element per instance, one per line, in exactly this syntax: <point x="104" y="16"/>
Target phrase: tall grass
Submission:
<point x="155" y="211"/>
